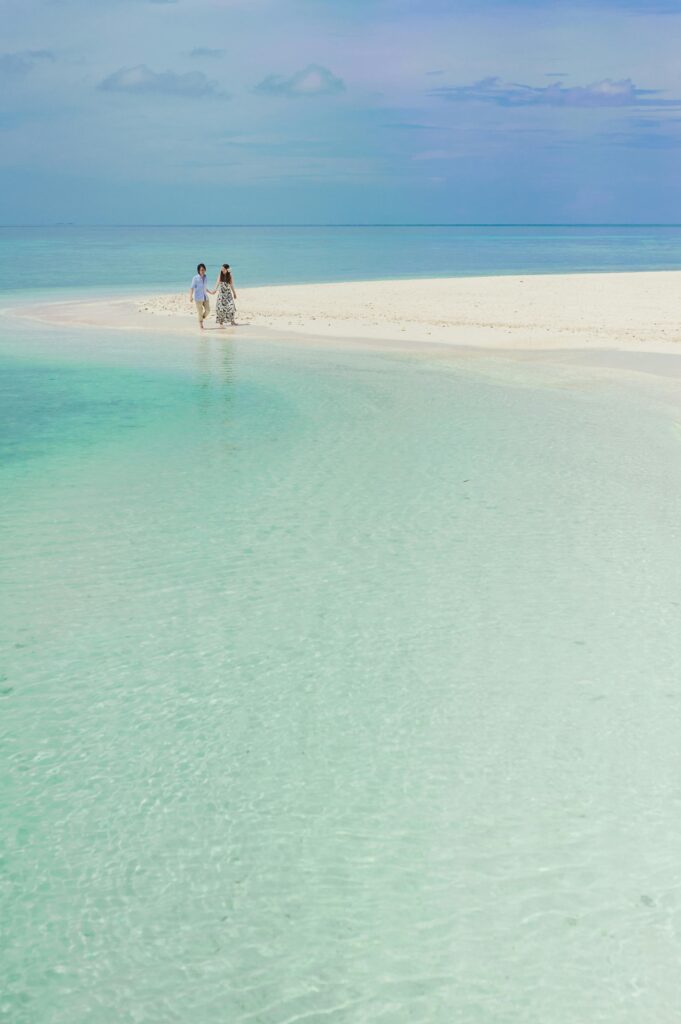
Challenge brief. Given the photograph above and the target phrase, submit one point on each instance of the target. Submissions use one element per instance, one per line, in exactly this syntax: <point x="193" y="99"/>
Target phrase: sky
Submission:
<point x="340" y="111"/>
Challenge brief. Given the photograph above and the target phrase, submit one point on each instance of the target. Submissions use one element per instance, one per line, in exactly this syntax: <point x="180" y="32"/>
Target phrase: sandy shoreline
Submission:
<point x="625" y="311"/>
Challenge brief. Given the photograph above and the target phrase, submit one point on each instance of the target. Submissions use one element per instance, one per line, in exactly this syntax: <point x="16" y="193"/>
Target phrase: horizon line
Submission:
<point x="424" y="224"/>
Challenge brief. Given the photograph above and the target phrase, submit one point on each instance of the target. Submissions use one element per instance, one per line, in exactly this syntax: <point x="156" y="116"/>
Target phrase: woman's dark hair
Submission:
<point x="225" y="272"/>
<point x="198" y="269"/>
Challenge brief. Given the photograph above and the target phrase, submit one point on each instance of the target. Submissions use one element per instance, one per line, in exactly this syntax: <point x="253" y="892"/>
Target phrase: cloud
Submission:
<point x="646" y="6"/>
<point x="649" y="140"/>
<point x="142" y="79"/>
<point x="313" y="80"/>
<point x="647" y="133"/>
<point x="205" y="51"/>
<point x="22" y="61"/>
<point x="606" y="93"/>
<point x="412" y="126"/>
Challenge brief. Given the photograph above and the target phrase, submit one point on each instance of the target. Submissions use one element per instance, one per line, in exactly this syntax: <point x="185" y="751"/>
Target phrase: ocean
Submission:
<point x="76" y="259"/>
<point x="335" y="685"/>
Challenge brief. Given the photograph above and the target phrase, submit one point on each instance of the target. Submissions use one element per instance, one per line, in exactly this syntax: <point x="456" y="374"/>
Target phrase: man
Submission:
<point x="199" y="293"/>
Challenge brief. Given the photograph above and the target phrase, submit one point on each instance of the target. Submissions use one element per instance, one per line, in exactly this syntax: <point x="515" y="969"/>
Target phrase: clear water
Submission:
<point x="336" y="686"/>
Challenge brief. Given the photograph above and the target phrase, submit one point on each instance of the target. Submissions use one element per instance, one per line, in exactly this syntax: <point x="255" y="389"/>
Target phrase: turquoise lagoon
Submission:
<point x="336" y="685"/>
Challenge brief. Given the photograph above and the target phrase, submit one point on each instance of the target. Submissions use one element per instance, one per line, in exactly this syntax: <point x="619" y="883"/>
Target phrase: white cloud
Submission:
<point x="605" y="93"/>
<point x="314" y="80"/>
<point x="21" y="61"/>
<point x="141" y="79"/>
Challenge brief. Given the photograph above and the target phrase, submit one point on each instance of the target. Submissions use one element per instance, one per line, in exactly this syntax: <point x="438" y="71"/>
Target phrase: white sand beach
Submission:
<point x="617" y="311"/>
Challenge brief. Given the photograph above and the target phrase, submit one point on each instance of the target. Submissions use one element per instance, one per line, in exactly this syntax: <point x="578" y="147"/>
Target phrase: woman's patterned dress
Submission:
<point x="225" y="308"/>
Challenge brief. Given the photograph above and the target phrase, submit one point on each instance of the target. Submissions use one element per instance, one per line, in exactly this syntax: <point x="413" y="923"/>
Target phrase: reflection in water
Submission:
<point x="215" y="374"/>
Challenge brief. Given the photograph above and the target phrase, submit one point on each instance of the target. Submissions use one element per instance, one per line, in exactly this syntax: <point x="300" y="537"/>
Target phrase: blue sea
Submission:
<point x="335" y="685"/>
<point x="75" y="259"/>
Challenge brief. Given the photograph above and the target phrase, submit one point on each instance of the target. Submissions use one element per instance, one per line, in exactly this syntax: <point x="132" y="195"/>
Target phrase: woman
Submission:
<point x="225" y="306"/>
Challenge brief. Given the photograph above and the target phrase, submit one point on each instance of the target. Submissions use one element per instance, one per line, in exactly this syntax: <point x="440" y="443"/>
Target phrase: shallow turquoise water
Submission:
<point x="336" y="686"/>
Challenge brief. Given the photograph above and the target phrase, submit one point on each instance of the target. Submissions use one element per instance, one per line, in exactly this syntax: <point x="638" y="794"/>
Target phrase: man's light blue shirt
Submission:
<point x="199" y="288"/>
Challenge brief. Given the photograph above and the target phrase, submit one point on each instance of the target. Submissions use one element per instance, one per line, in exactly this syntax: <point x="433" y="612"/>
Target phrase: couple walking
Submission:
<point x="225" y="307"/>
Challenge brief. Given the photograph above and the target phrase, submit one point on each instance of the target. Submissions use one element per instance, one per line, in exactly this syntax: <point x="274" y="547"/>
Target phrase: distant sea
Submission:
<point x="86" y="259"/>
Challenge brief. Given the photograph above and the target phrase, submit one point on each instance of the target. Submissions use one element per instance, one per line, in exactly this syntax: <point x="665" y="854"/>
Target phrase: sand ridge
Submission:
<point x="623" y="311"/>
